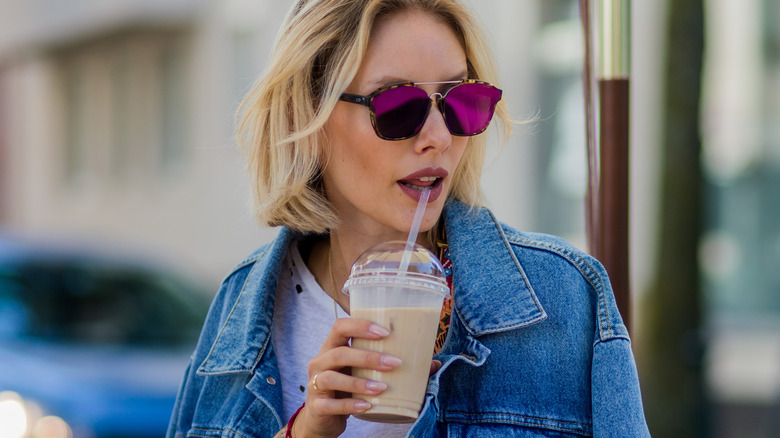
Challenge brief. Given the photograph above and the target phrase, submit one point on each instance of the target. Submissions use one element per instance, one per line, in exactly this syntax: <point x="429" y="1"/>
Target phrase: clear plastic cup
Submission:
<point x="408" y="304"/>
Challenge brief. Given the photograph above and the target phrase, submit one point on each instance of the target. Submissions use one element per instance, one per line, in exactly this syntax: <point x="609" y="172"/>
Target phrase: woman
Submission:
<point x="532" y="344"/>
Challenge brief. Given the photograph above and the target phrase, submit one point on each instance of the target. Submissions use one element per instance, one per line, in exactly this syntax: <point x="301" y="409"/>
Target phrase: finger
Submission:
<point x="346" y="328"/>
<point x="435" y="366"/>
<point x="315" y="384"/>
<point x="329" y="381"/>
<point x="323" y="407"/>
<point x="341" y="357"/>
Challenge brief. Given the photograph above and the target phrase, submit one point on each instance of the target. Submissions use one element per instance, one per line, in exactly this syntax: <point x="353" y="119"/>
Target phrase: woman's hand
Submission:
<point x="325" y="413"/>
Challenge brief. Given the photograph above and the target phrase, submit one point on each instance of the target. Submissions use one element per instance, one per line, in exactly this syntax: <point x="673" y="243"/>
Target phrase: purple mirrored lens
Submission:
<point x="468" y="108"/>
<point x="400" y="112"/>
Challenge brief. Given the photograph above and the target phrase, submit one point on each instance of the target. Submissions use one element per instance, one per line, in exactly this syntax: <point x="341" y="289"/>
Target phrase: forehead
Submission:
<point x="411" y="46"/>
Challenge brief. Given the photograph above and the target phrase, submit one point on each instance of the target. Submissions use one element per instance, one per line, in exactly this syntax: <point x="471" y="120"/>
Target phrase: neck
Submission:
<point x="348" y="246"/>
<point x="343" y="248"/>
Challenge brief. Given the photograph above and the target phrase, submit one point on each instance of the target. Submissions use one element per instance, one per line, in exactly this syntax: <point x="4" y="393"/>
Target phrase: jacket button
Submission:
<point x="271" y="381"/>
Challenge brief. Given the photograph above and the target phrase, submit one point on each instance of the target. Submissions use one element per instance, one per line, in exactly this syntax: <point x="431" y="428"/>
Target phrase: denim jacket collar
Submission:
<point x="478" y="248"/>
<point x="484" y="260"/>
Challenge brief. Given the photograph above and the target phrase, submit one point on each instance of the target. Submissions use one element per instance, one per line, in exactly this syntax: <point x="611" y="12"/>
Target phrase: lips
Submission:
<point x="430" y="178"/>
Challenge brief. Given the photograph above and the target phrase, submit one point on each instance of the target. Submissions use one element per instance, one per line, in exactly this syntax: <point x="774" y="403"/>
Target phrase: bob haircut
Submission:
<point x="316" y="55"/>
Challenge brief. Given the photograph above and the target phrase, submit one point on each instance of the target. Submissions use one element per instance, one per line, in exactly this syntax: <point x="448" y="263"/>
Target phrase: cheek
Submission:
<point x="366" y="163"/>
<point x="459" y="147"/>
<point x="349" y="133"/>
<point x="459" y="158"/>
<point x="348" y="120"/>
<point x="355" y="156"/>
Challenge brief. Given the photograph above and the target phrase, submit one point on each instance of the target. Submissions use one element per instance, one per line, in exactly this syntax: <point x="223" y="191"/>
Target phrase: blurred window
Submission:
<point x="125" y="110"/>
<point x="561" y="152"/>
<point x="741" y="248"/>
<point x="174" y="107"/>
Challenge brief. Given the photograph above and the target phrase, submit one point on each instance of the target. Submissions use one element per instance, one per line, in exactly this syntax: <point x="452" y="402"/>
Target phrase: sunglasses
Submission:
<point x="399" y="111"/>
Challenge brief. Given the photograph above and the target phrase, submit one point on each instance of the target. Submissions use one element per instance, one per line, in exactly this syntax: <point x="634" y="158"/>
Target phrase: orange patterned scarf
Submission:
<point x="446" y="310"/>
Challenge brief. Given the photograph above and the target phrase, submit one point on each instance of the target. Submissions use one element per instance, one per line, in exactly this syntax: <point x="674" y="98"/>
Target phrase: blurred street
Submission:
<point x="116" y="134"/>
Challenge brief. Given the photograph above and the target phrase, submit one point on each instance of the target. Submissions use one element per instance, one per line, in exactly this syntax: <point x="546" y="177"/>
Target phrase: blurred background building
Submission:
<point x="116" y="122"/>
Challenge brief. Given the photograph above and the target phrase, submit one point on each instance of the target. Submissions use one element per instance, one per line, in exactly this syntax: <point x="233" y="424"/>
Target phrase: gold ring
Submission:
<point x="314" y="384"/>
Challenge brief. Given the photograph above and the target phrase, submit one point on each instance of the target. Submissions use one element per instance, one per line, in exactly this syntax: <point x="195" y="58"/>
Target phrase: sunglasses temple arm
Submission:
<point x="355" y="98"/>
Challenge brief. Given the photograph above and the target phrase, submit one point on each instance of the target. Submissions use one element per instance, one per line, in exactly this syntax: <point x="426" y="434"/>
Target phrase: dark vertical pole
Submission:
<point x="612" y="247"/>
<point x="613" y="189"/>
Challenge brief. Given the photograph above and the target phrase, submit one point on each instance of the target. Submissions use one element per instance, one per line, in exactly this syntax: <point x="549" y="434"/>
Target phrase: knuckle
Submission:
<point x="358" y="385"/>
<point x="339" y="325"/>
<point x="358" y="324"/>
<point x="374" y="359"/>
<point x="318" y="405"/>
<point x="346" y="406"/>
<point x="322" y="379"/>
<point x="338" y="355"/>
<point x="348" y="326"/>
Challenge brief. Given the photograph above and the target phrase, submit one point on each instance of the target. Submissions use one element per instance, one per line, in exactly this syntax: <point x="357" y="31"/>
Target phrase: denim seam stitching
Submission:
<point x="542" y="315"/>
<point x="586" y="271"/>
<point x="200" y="429"/>
<point x="531" y="421"/>
<point x="207" y="430"/>
<point x="236" y="432"/>
<point x="246" y="262"/>
<point x="260" y="352"/>
<point x="615" y="339"/>
<point x="499" y="328"/>
<point x="221" y="330"/>
<point x="517" y="262"/>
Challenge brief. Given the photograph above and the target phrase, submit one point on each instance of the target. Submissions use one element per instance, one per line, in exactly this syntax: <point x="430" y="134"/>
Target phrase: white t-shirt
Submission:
<point x="303" y="318"/>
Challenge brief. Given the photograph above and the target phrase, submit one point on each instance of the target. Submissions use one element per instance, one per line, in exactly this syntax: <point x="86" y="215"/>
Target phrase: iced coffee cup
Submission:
<point x="408" y="304"/>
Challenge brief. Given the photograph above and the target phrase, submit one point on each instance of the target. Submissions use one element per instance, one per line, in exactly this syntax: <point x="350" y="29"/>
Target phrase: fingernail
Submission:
<point x="374" y="386"/>
<point x="378" y="330"/>
<point x="389" y="361"/>
<point x="362" y="406"/>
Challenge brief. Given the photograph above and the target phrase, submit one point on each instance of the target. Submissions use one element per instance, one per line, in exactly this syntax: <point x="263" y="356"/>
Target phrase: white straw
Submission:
<point x="410" y="241"/>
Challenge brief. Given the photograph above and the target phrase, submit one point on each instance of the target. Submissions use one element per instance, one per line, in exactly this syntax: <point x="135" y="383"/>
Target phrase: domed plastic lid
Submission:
<point x="381" y="265"/>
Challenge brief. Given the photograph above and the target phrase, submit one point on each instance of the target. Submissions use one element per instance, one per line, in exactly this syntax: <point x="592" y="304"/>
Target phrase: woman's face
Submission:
<point x="373" y="183"/>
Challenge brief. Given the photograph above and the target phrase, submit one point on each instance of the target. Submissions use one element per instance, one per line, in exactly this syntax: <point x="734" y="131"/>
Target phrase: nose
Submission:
<point x="434" y="133"/>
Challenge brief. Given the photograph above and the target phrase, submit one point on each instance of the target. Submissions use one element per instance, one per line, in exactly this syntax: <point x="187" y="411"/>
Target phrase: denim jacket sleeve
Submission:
<point x="615" y="396"/>
<point x="230" y="387"/>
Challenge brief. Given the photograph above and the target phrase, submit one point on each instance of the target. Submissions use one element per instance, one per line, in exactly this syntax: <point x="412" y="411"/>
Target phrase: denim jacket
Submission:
<point x="536" y="346"/>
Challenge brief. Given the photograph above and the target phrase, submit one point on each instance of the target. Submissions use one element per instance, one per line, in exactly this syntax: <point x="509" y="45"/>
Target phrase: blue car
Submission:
<point x="91" y="343"/>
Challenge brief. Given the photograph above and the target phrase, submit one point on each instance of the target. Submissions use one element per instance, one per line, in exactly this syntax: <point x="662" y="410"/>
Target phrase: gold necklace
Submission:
<point x="332" y="282"/>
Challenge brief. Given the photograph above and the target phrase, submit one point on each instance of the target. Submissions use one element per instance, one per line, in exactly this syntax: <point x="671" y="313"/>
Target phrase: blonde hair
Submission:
<point x="316" y="56"/>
